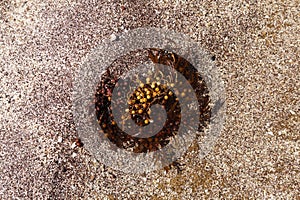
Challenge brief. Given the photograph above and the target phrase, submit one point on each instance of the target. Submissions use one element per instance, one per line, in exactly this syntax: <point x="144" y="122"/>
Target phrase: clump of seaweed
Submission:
<point x="147" y="94"/>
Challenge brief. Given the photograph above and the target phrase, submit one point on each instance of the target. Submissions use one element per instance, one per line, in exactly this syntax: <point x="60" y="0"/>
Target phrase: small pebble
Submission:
<point x="113" y="37"/>
<point x="292" y="112"/>
<point x="73" y="145"/>
<point x="270" y="133"/>
<point x="60" y="139"/>
<point x="74" y="155"/>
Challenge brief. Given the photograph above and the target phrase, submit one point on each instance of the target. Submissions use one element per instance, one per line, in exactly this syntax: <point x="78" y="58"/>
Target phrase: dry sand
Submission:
<point x="257" y="48"/>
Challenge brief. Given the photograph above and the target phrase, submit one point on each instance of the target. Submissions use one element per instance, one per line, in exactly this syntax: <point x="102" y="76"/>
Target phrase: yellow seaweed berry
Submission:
<point x="133" y="101"/>
<point x="147" y="80"/>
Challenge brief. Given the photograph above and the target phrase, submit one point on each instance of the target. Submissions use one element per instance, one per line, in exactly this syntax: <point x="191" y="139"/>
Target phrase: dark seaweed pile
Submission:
<point x="140" y="101"/>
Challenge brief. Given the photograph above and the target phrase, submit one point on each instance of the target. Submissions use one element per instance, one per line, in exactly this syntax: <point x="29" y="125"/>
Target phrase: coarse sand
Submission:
<point x="256" y="45"/>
